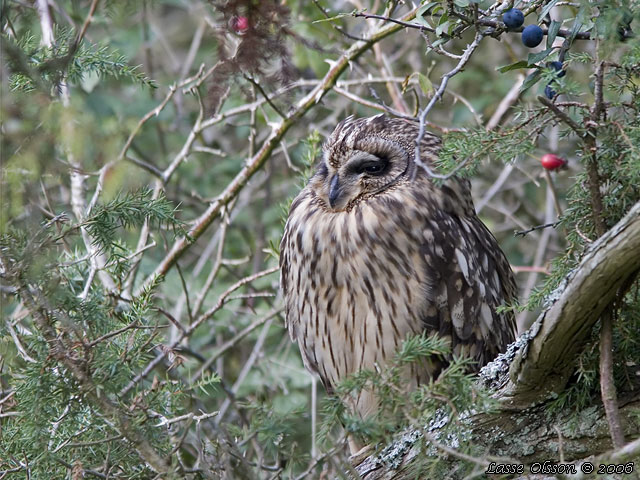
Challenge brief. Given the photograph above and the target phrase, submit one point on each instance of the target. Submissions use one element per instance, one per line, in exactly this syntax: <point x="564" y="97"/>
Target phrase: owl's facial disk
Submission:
<point x="362" y="174"/>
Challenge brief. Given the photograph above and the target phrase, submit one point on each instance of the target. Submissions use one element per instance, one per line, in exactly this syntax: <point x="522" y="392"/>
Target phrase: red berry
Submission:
<point x="240" y="24"/>
<point x="552" y="162"/>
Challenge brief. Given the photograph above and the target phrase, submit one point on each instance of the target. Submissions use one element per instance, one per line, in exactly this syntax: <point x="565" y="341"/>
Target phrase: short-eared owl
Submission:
<point x="374" y="251"/>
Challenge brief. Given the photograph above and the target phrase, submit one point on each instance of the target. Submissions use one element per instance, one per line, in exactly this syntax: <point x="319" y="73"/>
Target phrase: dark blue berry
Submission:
<point x="557" y="66"/>
<point x="549" y="92"/>
<point x="513" y="18"/>
<point x="532" y="36"/>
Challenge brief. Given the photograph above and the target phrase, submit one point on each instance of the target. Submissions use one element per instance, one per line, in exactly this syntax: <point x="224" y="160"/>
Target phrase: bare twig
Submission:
<point x="195" y="324"/>
<point x="193" y="48"/>
<point x="539" y="256"/>
<point x="438" y="95"/>
<point x="109" y="335"/>
<point x="16" y="341"/>
<point x="563" y="117"/>
<point x="495" y="187"/>
<point x="336" y="27"/>
<point x="265" y="95"/>
<point x="257" y="348"/>
<point x="214" y="270"/>
<point x="85" y="25"/>
<point x="367" y="103"/>
<point x="507" y="102"/>
<point x="554" y="194"/>
<point x="231" y="343"/>
<point x="186" y="148"/>
<point x="527" y="269"/>
<point x="607" y="386"/>
<point x="188" y="416"/>
<point x="255" y="163"/>
<point x="404" y="23"/>
<point x="591" y="152"/>
<point x="522" y="233"/>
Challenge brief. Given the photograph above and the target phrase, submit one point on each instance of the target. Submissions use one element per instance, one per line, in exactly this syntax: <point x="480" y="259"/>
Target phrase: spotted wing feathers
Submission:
<point x="468" y="277"/>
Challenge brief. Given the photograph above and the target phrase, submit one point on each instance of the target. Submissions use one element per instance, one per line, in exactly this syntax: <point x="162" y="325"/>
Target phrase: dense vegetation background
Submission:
<point x="149" y="152"/>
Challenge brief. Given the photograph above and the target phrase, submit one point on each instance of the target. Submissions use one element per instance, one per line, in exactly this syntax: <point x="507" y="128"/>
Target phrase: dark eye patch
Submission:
<point x="371" y="167"/>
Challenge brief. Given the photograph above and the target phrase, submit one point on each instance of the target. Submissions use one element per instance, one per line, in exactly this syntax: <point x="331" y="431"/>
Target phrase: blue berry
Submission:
<point x="513" y="18"/>
<point x="549" y="92"/>
<point x="532" y="36"/>
<point x="557" y="66"/>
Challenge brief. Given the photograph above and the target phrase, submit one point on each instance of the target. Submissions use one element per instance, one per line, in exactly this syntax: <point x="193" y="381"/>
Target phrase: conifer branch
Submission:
<point x="65" y="354"/>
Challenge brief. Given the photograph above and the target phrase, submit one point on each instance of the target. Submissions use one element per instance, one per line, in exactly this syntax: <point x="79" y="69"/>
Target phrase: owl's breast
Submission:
<point x="353" y="284"/>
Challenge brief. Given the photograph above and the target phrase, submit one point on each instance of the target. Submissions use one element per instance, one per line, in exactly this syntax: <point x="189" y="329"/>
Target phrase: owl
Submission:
<point x="374" y="252"/>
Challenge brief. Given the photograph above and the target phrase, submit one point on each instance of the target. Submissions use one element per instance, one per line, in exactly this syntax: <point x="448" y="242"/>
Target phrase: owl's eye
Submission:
<point x="375" y="167"/>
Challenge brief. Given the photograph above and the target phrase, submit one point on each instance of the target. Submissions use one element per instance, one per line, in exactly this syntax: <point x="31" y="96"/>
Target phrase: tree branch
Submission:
<point x="607" y="385"/>
<point x="542" y="364"/>
<point x="521" y="436"/>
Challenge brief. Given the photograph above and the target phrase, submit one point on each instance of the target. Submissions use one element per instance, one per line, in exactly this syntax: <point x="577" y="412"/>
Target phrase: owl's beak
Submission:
<point x="334" y="191"/>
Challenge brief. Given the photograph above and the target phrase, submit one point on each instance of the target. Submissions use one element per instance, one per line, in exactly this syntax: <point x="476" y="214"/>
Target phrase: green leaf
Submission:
<point x="581" y="17"/>
<point x="441" y="27"/>
<point x="420" y="20"/>
<point x="425" y="9"/>
<point x="530" y="81"/>
<point x="553" y="32"/>
<point x="437" y="9"/>
<point x="334" y="18"/>
<point x="438" y="42"/>
<point x="534" y="58"/>
<point x="425" y="84"/>
<point x="513" y="66"/>
<point x="443" y="24"/>
<point x="547" y="8"/>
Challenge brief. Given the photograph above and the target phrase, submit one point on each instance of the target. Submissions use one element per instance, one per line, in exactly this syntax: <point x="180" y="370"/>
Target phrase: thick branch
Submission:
<point x="543" y="363"/>
<point x="525" y="436"/>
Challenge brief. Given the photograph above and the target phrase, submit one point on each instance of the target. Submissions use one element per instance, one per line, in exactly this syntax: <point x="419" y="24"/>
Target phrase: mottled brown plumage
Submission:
<point x="371" y="255"/>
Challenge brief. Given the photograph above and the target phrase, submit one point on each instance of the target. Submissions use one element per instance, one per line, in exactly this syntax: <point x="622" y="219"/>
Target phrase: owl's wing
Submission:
<point x="467" y="278"/>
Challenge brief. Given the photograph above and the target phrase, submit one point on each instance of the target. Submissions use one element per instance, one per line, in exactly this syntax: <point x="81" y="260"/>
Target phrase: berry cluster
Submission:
<point x="532" y="36"/>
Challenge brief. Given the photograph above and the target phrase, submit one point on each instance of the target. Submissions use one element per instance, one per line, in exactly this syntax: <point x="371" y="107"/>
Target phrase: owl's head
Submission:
<point x="364" y="157"/>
